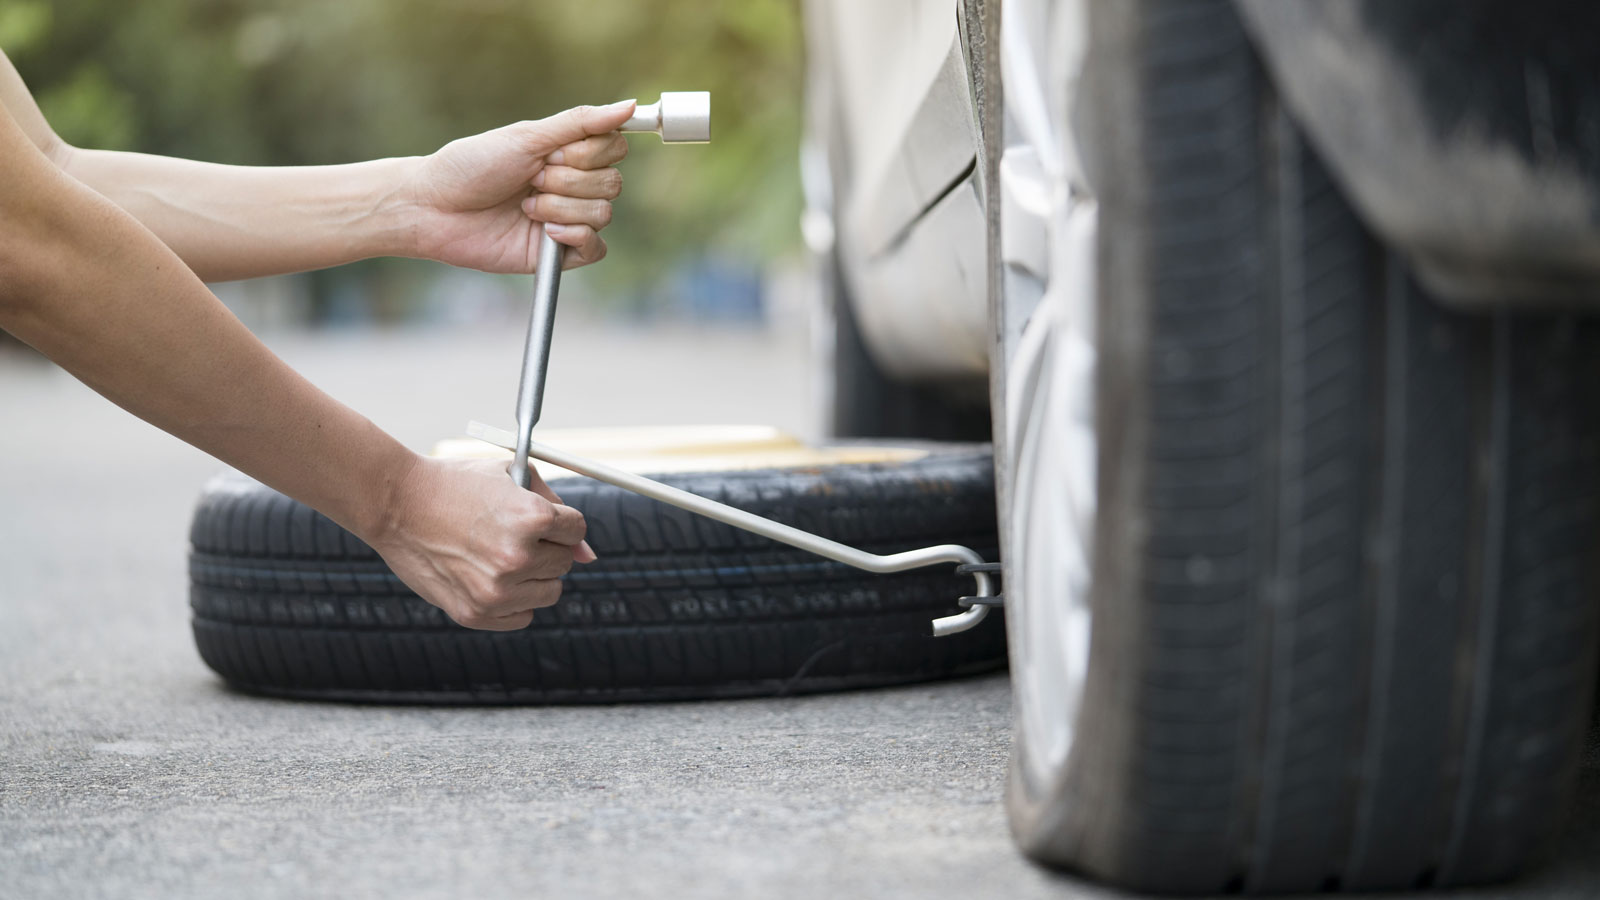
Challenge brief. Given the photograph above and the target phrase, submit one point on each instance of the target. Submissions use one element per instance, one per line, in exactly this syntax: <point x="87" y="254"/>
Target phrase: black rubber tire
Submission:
<point x="1344" y="598"/>
<point x="286" y="602"/>
<point x="867" y="402"/>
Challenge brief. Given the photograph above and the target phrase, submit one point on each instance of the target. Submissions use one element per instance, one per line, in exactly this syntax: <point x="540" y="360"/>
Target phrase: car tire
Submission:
<point x="1341" y="577"/>
<point x="287" y="603"/>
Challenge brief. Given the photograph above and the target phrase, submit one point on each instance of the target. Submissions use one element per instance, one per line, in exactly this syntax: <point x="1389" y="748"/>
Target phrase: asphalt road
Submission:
<point x="128" y="770"/>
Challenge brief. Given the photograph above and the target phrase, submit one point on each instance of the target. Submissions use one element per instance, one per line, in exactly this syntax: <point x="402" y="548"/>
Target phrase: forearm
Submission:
<point x="91" y="289"/>
<point x="231" y="222"/>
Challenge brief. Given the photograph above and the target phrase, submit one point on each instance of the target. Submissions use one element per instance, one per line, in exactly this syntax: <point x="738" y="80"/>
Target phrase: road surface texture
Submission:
<point x="128" y="770"/>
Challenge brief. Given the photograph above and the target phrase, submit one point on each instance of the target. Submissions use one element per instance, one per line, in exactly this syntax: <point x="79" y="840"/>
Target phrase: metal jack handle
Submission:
<point x="680" y="117"/>
<point x="785" y="534"/>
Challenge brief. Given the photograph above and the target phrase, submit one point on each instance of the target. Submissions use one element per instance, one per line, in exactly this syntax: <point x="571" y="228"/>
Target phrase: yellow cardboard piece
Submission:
<point x="683" y="448"/>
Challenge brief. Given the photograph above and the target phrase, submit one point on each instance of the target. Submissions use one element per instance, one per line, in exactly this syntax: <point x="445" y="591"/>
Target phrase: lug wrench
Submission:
<point x="685" y="117"/>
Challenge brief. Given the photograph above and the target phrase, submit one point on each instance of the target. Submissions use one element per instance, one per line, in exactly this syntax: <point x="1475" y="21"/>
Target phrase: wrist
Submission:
<point x="396" y="212"/>
<point x="381" y="514"/>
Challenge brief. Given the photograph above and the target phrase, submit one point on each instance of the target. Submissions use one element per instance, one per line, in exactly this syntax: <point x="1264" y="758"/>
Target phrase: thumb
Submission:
<point x="582" y="552"/>
<point x="576" y="124"/>
<point x="537" y="484"/>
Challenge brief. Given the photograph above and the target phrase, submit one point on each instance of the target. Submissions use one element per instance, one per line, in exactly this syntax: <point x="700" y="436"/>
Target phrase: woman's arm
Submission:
<point x="231" y="222"/>
<point x="92" y="289"/>
<point x="478" y="202"/>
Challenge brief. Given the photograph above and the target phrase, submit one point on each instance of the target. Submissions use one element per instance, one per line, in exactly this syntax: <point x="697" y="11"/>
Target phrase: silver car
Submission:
<point x="1279" y="316"/>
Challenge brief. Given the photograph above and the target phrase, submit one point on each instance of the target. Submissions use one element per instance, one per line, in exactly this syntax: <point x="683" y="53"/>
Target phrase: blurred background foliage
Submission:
<point x="293" y="82"/>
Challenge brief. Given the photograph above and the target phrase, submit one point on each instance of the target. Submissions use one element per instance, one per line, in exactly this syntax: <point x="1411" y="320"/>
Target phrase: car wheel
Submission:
<point x="286" y="602"/>
<point x="1316" y="609"/>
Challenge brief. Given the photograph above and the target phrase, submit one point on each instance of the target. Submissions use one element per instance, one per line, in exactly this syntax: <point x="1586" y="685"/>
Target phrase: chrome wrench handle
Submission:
<point x="536" y="354"/>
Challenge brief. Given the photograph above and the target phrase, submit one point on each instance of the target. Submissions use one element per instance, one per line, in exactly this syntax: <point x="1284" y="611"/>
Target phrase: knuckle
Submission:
<point x="603" y="213"/>
<point x="613" y="183"/>
<point x="476" y="600"/>
<point x="508" y="563"/>
<point x="471" y="618"/>
<point x="557" y="563"/>
<point x="547" y="594"/>
<point x="493" y="598"/>
<point x="486" y="583"/>
<point x="542" y="517"/>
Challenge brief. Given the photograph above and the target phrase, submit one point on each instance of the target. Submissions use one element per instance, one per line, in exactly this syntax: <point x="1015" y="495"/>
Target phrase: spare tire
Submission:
<point x="288" y="603"/>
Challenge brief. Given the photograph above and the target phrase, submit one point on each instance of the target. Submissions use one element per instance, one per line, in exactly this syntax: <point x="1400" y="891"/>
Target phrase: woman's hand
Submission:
<point x="483" y="201"/>
<point x="468" y="540"/>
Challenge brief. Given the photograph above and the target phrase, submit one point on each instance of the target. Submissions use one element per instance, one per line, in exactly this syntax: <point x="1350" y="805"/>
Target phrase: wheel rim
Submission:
<point x="1053" y="450"/>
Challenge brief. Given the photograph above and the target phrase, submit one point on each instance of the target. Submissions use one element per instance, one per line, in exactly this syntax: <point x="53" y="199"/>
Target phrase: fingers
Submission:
<point x="514" y="622"/>
<point x="581" y="552"/>
<point x="557" y="524"/>
<point x="575" y="124"/>
<point x="595" y="152"/>
<point x="512" y="607"/>
<point x="588" y="184"/>
<point x="574" y="222"/>
<point x="529" y="578"/>
<point x="568" y="210"/>
<point x="574" y="193"/>
<point x="586" y="246"/>
<point x="540" y="561"/>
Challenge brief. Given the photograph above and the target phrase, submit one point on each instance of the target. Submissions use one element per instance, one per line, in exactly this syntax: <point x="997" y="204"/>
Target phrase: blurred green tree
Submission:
<point x="289" y="82"/>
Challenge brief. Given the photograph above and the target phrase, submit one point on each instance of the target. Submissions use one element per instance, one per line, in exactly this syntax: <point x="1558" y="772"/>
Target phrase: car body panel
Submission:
<point x="924" y="300"/>
<point x="891" y="102"/>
